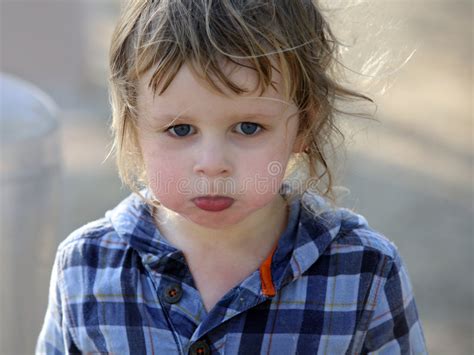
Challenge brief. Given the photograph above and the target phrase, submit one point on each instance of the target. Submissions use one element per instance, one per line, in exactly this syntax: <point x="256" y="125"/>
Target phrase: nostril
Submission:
<point x="212" y="170"/>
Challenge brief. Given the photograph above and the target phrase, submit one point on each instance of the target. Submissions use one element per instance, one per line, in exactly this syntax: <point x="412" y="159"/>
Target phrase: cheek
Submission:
<point x="267" y="164"/>
<point x="262" y="178"/>
<point x="165" y="176"/>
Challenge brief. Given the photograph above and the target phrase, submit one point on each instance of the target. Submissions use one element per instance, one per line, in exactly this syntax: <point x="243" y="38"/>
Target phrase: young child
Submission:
<point x="218" y="250"/>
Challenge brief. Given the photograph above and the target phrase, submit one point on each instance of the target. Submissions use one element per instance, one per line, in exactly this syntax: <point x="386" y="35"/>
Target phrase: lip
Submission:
<point x="213" y="203"/>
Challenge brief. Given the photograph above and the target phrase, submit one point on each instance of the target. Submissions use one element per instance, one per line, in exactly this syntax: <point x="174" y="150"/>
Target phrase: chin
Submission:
<point x="214" y="220"/>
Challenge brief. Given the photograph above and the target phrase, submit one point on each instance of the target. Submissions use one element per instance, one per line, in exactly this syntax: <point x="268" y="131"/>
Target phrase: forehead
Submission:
<point x="189" y="91"/>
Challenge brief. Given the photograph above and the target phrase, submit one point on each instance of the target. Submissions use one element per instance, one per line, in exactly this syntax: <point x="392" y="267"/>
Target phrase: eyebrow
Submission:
<point x="247" y="115"/>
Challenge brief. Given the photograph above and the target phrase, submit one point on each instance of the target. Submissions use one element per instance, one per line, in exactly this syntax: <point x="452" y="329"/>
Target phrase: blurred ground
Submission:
<point x="410" y="174"/>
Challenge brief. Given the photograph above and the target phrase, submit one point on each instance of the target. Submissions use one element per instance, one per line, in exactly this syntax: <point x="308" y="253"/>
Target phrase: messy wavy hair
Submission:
<point x="294" y="34"/>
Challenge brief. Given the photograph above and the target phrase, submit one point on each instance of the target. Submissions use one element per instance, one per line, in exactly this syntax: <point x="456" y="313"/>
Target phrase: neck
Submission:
<point x="250" y="238"/>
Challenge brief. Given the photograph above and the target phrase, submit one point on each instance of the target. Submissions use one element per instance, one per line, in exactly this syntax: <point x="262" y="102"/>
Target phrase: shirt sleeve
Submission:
<point x="54" y="337"/>
<point x="395" y="327"/>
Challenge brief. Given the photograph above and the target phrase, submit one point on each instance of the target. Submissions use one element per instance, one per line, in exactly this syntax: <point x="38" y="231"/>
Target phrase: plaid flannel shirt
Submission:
<point x="332" y="286"/>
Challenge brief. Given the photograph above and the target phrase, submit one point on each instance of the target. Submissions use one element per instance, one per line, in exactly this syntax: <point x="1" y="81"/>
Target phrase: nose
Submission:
<point x="212" y="160"/>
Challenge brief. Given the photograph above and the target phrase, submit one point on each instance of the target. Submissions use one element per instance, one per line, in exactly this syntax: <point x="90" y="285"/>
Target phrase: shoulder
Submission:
<point x="100" y="233"/>
<point x="355" y="231"/>
<point x="102" y="242"/>
<point x="90" y="232"/>
<point x="338" y="228"/>
<point x="333" y="241"/>
<point x="360" y="247"/>
<point x="93" y="260"/>
<point x="108" y="244"/>
<point x="343" y="239"/>
<point x="91" y="245"/>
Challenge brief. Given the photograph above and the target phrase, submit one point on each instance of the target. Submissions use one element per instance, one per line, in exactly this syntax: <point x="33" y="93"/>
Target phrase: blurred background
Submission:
<point x="410" y="173"/>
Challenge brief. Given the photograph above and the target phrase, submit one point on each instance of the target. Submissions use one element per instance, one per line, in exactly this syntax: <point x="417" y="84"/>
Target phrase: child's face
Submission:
<point x="237" y="147"/>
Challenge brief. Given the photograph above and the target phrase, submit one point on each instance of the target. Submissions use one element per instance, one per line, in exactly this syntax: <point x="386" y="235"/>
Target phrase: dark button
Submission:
<point x="172" y="293"/>
<point x="200" y="348"/>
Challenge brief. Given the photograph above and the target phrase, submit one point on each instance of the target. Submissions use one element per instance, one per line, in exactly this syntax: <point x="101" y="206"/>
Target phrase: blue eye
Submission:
<point x="249" y="128"/>
<point x="183" y="130"/>
<point x="180" y="130"/>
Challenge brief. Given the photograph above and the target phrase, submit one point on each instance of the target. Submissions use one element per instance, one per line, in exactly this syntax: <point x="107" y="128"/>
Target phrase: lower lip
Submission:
<point x="213" y="204"/>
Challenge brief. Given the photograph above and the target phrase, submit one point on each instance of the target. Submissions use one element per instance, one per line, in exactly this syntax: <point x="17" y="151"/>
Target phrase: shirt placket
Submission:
<point x="179" y="299"/>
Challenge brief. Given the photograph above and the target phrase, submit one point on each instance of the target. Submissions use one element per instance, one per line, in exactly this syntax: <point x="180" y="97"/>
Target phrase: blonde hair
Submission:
<point x="165" y="34"/>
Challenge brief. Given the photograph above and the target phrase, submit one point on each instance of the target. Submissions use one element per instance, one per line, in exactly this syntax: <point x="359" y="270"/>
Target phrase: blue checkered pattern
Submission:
<point x="341" y="288"/>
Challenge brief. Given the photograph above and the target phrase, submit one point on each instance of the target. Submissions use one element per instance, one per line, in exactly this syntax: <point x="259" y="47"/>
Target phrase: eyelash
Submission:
<point x="261" y="129"/>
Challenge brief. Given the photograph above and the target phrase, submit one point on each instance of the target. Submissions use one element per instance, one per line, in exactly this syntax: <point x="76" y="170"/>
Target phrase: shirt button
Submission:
<point x="172" y="293"/>
<point x="200" y="348"/>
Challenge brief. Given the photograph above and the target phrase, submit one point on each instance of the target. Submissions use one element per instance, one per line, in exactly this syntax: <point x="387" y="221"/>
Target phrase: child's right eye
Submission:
<point x="180" y="130"/>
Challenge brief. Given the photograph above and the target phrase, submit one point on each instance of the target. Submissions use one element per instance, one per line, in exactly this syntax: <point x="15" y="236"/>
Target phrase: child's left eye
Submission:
<point x="249" y="128"/>
<point x="246" y="128"/>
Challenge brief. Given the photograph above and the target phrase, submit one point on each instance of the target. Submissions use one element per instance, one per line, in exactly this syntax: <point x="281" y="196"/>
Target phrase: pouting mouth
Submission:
<point x="213" y="203"/>
<point x="212" y="197"/>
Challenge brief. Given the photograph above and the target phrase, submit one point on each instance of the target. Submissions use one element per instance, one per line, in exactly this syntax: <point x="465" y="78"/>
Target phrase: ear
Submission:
<point x="299" y="146"/>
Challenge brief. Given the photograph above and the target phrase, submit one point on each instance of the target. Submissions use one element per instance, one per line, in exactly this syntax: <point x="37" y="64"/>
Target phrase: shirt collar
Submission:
<point x="312" y="226"/>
